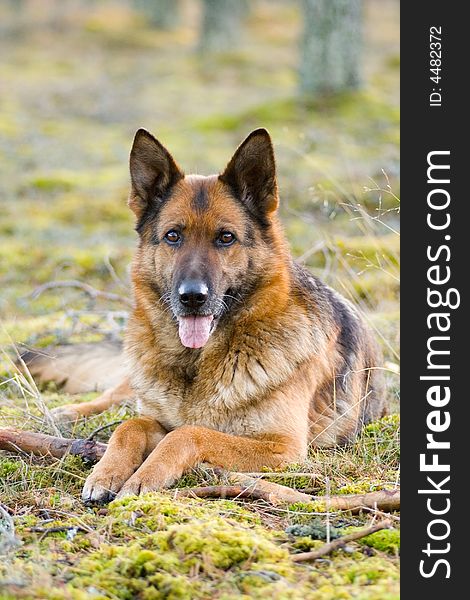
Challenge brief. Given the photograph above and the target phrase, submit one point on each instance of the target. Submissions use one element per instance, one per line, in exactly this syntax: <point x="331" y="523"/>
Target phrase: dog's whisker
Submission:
<point x="232" y="297"/>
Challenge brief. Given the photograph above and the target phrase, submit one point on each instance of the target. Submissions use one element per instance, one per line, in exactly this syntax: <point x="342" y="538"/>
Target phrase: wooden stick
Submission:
<point x="41" y="444"/>
<point x="238" y="484"/>
<point x="284" y="475"/>
<point x="385" y="500"/>
<point x="274" y="492"/>
<point x="89" y="290"/>
<point x="224" y="491"/>
<point x="102" y="428"/>
<point x="340" y="542"/>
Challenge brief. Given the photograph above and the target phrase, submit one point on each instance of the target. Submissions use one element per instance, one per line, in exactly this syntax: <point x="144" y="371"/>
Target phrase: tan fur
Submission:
<point x="112" y="396"/>
<point x="98" y="368"/>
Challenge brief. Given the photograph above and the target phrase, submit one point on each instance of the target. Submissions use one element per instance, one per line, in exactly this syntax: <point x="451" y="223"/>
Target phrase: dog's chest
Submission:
<point x="225" y="389"/>
<point x="182" y="401"/>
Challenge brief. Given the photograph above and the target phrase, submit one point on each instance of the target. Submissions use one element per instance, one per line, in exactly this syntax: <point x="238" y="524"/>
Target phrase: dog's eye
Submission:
<point x="226" y="238"/>
<point x="172" y="237"/>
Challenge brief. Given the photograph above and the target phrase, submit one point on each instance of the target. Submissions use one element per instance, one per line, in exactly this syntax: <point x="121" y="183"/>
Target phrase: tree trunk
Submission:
<point x="221" y="24"/>
<point x="331" y="46"/>
<point x="162" y="14"/>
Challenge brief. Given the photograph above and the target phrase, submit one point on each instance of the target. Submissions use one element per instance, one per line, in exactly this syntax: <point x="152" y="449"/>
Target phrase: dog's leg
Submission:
<point x="187" y="446"/>
<point x="72" y="412"/>
<point x="128" y="447"/>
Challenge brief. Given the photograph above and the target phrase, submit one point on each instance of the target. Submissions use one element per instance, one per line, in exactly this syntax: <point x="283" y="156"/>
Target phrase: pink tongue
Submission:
<point x="194" y="331"/>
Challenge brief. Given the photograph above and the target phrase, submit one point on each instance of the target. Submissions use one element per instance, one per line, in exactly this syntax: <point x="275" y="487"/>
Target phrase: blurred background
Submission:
<point x="78" y="77"/>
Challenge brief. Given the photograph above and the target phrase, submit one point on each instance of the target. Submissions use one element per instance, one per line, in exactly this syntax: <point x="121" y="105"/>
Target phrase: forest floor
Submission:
<point x="72" y="97"/>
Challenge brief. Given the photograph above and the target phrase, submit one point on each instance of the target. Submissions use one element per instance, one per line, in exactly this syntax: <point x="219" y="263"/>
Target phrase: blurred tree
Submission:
<point x="221" y="24"/>
<point x="331" y="46"/>
<point x="163" y="14"/>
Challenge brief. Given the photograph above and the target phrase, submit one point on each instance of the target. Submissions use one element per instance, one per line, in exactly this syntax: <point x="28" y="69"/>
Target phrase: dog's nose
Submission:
<point x="193" y="293"/>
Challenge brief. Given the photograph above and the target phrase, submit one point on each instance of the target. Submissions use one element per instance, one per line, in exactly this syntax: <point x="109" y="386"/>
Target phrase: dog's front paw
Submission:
<point x="67" y="414"/>
<point x="144" y="481"/>
<point x="103" y="484"/>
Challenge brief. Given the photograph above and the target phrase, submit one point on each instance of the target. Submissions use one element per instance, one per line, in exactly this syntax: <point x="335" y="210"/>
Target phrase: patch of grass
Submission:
<point x="155" y="546"/>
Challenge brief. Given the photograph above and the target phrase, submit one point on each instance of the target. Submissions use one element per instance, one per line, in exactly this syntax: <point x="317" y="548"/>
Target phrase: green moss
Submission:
<point x="308" y="507"/>
<point x="9" y="468"/>
<point x="359" y="487"/>
<point x="161" y="562"/>
<point x="159" y="547"/>
<point x="386" y="540"/>
<point x="370" y="571"/>
<point x="158" y="512"/>
<point x="384" y="429"/>
<point x="305" y="544"/>
<point x="146" y="558"/>
<point x="51" y="183"/>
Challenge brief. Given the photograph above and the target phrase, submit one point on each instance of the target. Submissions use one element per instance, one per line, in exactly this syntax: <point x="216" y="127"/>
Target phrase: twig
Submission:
<point x="102" y="428"/>
<point x="92" y="292"/>
<point x="340" y="542"/>
<point x="112" y="271"/>
<point x="284" y="475"/>
<point x="223" y="491"/>
<point x="379" y="513"/>
<point x="384" y="500"/>
<point x="41" y="444"/>
<point x="275" y="493"/>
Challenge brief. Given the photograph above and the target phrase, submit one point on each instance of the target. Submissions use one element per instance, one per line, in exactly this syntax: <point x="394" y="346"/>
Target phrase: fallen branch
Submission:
<point x="340" y="542"/>
<point x="41" y="444"/>
<point x="223" y="491"/>
<point x="284" y="475"/>
<point x="385" y="500"/>
<point x="275" y="492"/>
<point x="238" y="485"/>
<point x="102" y="428"/>
<point x="89" y="290"/>
<point x="244" y="486"/>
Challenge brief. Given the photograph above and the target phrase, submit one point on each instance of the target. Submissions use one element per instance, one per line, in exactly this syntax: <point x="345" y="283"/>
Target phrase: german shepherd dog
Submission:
<point x="236" y="355"/>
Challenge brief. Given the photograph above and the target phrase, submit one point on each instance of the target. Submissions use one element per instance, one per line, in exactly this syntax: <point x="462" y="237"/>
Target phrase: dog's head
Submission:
<point x="204" y="241"/>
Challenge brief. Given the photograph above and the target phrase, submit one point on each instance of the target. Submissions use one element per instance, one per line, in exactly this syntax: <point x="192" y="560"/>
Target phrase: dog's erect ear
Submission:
<point x="251" y="173"/>
<point x="153" y="171"/>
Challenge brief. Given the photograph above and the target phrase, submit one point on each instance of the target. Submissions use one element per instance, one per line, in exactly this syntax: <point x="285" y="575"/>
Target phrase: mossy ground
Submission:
<point x="159" y="546"/>
<point x="75" y="93"/>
